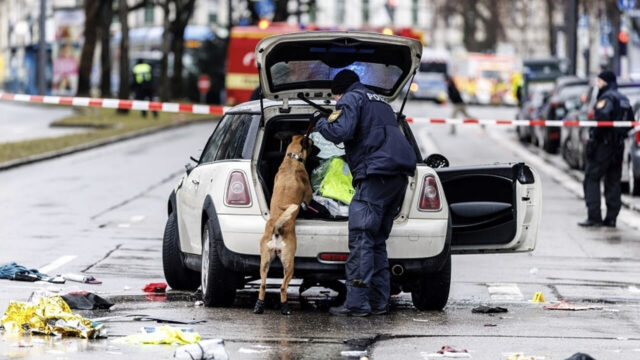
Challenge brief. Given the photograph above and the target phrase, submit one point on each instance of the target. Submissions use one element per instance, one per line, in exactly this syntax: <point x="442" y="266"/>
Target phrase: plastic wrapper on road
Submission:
<point x="162" y="335"/>
<point x="48" y="315"/>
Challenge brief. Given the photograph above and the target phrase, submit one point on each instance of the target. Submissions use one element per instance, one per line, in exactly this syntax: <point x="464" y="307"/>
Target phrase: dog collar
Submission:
<point x="296" y="156"/>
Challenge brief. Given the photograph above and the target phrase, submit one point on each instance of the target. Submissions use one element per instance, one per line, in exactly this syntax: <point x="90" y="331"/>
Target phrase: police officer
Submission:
<point x="142" y="83"/>
<point x="380" y="159"/>
<point x="604" y="153"/>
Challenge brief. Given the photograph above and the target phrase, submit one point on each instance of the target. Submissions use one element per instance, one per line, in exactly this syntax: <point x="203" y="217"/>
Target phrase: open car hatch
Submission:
<point x="307" y="62"/>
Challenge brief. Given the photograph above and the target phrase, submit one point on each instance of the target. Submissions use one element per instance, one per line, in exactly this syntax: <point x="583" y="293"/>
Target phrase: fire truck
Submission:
<point x="485" y="78"/>
<point x="242" y="74"/>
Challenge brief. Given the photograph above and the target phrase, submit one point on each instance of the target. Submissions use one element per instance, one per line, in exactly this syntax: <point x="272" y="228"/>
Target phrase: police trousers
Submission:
<point x="376" y="201"/>
<point x="604" y="161"/>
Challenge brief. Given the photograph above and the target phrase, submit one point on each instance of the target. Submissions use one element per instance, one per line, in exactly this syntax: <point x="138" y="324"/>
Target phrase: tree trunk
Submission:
<point x="91" y="11"/>
<point x="184" y="10"/>
<point x="551" y="27"/>
<point x="469" y="26"/>
<point x="124" y="90"/>
<point x="105" y="49"/>
<point x="282" y="10"/>
<point x="164" y="91"/>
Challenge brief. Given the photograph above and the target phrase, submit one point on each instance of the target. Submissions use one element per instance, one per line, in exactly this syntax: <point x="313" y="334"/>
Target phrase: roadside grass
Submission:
<point x="100" y="124"/>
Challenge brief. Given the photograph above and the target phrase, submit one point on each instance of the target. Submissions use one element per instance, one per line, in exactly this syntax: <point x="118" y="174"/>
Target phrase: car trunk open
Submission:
<point x="307" y="62"/>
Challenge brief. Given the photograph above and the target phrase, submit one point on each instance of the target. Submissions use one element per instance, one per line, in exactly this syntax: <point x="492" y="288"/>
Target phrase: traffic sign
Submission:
<point x="625" y="5"/>
<point x="204" y="83"/>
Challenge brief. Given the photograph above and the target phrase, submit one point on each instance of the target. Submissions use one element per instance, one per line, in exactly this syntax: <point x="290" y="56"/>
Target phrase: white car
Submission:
<point x="217" y="213"/>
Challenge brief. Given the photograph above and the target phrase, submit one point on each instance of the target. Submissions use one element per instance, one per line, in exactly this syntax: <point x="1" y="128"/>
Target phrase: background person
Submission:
<point x="362" y="118"/>
<point x="604" y="153"/>
<point x="456" y="100"/>
<point x="142" y="83"/>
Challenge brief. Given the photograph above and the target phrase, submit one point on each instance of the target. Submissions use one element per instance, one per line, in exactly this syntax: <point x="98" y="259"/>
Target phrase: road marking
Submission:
<point x="504" y="292"/>
<point x="57" y="263"/>
<point x="137" y="218"/>
<point x="626" y="216"/>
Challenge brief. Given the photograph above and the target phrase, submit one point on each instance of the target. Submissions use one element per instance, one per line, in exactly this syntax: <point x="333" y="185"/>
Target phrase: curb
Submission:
<point x="95" y="144"/>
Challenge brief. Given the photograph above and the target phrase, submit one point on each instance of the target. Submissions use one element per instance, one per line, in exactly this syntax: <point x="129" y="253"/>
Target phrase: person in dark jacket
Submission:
<point x="604" y="153"/>
<point x="380" y="159"/>
<point x="459" y="107"/>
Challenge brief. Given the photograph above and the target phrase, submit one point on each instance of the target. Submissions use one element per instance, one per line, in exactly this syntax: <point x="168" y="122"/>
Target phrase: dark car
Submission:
<point x="567" y="90"/>
<point x="530" y="109"/>
<point x="574" y="138"/>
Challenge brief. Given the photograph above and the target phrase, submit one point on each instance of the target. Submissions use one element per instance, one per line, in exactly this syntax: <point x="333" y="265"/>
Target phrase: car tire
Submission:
<point x="634" y="181"/>
<point x="177" y="275"/>
<point x="432" y="291"/>
<point x="217" y="282"/>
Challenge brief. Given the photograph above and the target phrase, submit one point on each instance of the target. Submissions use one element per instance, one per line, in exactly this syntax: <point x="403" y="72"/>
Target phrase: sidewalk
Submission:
<point x="27" y="121"/>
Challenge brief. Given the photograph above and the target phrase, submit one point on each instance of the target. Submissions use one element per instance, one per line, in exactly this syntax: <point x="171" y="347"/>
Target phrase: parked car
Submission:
<point x="429" y="82"/>
<point x="574" y="138"/>
<point x="218" y="210"/>
<point x="567" y="89"/>
<point x="530" y="109"/>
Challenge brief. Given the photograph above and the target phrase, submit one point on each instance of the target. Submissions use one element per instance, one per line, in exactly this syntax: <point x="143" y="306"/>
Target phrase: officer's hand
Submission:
<point x="316" y="116"/>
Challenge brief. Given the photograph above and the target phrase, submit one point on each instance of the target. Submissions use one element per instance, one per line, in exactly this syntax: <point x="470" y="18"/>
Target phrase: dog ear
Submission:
<point x="305" y="143"/>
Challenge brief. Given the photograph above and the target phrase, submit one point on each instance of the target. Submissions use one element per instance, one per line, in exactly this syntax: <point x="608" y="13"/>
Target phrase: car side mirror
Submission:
<point x="436" y="161"/>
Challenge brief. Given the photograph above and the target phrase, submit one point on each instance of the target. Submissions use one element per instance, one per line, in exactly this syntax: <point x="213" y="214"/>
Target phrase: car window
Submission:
<point x="228" y="139"/>
<point x="233" y="142"/>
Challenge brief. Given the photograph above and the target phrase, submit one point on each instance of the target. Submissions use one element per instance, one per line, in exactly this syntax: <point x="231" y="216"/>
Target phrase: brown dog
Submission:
<point x="291" y="188"/>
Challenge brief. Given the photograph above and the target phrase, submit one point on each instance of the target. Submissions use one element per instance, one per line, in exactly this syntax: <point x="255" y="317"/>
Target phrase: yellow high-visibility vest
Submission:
<point x="142" y="73"/>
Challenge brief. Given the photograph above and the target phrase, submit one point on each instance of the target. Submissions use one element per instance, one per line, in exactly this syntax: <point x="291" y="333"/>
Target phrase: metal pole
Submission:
<point x="572" y="34"/>
<point x="42" y="50"/>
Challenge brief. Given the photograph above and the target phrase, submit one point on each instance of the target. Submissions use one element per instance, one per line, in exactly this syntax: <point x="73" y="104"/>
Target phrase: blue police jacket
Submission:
<point x="367" y="125"/>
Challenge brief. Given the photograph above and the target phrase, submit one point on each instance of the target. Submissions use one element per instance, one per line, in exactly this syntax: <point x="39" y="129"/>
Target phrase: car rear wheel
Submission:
<point x="634" y="181"/>
<point x="432" y="291"/>
<point x="218" y="283"/>
<point x="176" y="274"/>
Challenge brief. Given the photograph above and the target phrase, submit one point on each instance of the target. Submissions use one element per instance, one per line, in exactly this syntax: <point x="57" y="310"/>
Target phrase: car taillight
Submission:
<point x="237" y="190"/>
<point x="337" y="257"/>
<point x="429" y="197"/>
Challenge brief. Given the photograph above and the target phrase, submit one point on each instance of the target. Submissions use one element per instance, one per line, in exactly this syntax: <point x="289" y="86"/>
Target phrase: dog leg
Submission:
<point x="286" y="257"/>
<point x="265" y="262"/>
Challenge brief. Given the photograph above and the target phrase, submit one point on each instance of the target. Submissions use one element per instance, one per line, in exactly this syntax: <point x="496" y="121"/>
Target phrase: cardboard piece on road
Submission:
<point x="563" y="305"/>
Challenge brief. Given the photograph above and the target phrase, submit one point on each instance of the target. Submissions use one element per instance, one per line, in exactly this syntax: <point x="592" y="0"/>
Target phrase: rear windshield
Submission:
<point x="301" y="71"/>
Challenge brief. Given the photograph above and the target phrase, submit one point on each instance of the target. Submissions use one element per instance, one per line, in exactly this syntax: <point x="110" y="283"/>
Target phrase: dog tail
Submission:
<point x="284" y="217"/>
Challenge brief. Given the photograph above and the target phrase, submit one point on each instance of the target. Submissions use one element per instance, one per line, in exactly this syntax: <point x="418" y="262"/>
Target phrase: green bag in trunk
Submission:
<point x="332" y="179"/>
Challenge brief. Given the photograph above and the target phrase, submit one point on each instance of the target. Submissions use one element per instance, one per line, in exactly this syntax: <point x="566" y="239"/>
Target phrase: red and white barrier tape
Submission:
<point x="549" y="123"/>
<point x="219" y="110"/>
<point x="118" y="104"/>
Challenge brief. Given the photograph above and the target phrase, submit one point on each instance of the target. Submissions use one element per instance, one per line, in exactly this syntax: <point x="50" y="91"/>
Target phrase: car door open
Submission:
<point x="493" y="208"/>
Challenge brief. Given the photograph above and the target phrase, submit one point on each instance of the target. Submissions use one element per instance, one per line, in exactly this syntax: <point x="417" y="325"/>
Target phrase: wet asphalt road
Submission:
<point x="102" y="212"/>
<point x="27" y="121"/>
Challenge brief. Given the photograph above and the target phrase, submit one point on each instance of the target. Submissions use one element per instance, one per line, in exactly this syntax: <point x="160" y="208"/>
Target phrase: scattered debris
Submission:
<point x="634" y="289"/>
<point x="353" y="353"/>
<point x="162" y="335"/>
<point x="538" y="297"/>
<point x="57" y="280"/>
<point x="580" y="356"/>
<point x="489" y="310"/>
<point x="204" y="350"/>
<point x="155" y="288"/>
<point x="126" y="288"/>
<point x="522" y="356"/>
<point x="86" y="279"/>
<point x="533" y="271"/>
<point x="490" y="325"/>
<point x="198" y="303"/>
<point x="163" y="320"/>
<point x="563" y="305"/>
<point x="449" y="349"/>
<point x="420" y="320"/>
<point x="49" y="315"/>
<point x="13" y="271"/>
<point x="84" y="300"/>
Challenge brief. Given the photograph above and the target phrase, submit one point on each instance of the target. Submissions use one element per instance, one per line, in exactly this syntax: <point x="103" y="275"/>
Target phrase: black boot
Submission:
<point x="590" y="223"/>
<point x="284" y="308"/>
<point x="259" y="307"/>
